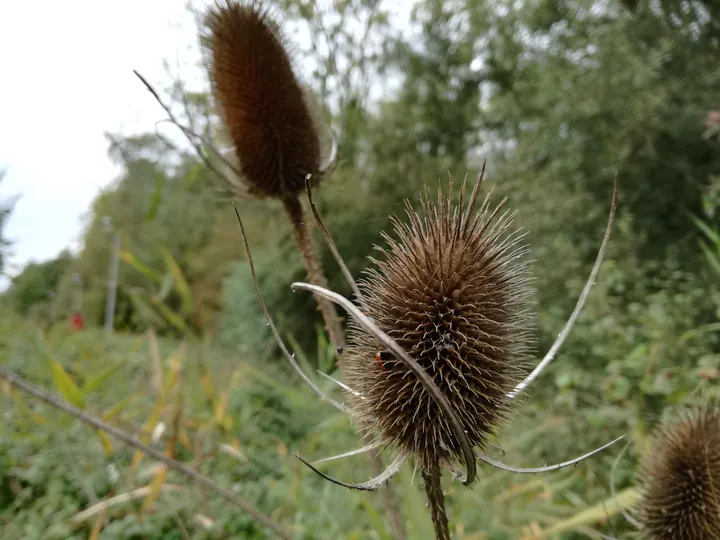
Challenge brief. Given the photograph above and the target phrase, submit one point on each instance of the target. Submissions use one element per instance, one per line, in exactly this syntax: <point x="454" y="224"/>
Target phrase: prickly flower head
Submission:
<point x="454" y="291"/>
<point x="680" y="478"/>
<point x="269" y="115"/>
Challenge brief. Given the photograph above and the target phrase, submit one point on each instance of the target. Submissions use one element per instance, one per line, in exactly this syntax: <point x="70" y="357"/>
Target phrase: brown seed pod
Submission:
<point x="270" y="117"/>
<point x="454" y="292"/>
<point x="680" y="478"/>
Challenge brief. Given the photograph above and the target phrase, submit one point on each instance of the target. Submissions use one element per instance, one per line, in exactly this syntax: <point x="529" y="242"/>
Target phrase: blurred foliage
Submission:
<point x="32" y="292"/>
<point x="6" y="208"/>
<point x="562" y="98"/>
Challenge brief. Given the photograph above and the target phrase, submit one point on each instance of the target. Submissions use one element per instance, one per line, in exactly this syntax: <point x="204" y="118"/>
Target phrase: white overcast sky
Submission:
<point x="66" y="72"/>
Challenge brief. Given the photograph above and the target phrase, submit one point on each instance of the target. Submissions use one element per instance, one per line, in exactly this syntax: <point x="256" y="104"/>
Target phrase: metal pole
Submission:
<point x="112" y="283"/>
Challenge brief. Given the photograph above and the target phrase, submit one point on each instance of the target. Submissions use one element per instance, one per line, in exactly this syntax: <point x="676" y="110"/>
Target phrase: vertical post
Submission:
<point x="112" y="283"/>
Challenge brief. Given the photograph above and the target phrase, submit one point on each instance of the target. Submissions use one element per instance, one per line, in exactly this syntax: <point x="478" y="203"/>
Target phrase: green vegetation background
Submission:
<point x="561" y="97"/>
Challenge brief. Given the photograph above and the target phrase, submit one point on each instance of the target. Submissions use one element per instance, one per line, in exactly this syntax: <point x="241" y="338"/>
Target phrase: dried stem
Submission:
<point x="204" y="481"/>
<point x="330" y="244"/>
<point x="565" y="332"/>
<point x="436" y="499"/>
<point x="290" y="357"/>
<point x="314" y="269"/>
<point x="376" y="465"/>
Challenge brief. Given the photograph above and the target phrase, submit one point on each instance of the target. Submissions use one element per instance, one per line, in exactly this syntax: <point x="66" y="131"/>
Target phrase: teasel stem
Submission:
<point x="436" y="499"/>
<point x="314" y="269"/>
<point x="388" y="494"/>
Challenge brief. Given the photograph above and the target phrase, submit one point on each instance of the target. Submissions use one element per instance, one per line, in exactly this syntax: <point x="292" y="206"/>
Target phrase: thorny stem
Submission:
<point x="331" y="244"/>
<point x="376" y="465"/>
<point x="314" y="269"/>
<point x="289" y="356"/>
<point x="436" y="499"/>
<point x="15" y="380"/>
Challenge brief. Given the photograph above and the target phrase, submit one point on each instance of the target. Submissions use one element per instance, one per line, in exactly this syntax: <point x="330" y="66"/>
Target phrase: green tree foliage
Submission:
<point x="6" y="208"/>
<point x="34" y="289"/>
<point x="562" y="97"/>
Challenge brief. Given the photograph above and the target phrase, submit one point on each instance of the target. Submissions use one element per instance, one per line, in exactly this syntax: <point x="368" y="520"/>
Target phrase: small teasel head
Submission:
<point x="270" y="117"/>
<point x="679" y="477"/>
<point x="453" y="289"/>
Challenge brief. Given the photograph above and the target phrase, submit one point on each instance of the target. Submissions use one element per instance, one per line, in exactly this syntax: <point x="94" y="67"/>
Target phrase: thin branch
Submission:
<point x="370" y="485"/>
<point x="351" y="453"/>
<point x="331" y="244"/>
<point x="342" y="385"/>
<point x="290" y="357"/>
<point x="578" y="307"/>
<point x="189" y="134"/>
<point x="204" y="481"/>
<point x="419" y="372"/>
<point x="535" y="470"/>
<point x="122" y="498"/>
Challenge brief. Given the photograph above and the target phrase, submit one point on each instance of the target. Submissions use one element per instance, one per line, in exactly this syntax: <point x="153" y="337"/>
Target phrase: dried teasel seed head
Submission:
<point x="454" y="291"/>
<point x="271" y="118"/>
<point x="679" y="477"/>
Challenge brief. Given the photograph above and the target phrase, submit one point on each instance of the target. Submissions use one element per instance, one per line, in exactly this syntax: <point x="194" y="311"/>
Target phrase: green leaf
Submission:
<point x="192" y="175"/>
<point x="376" y="519"/>
<point x="595" y="514"/>
<point x="181" y="284"/>
<point x="301" y="357"/>
<point x="156" y="197"/>
<point x="169" y="315"/>
<point x="129" y="258"/>
<point x="166" y="286"/>
<point x="65" y="385"/>
<point x="94" y="382"/>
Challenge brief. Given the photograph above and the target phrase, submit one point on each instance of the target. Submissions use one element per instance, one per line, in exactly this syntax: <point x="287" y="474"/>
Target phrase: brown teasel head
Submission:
<point x="454" y="290"/>
<point x="270" y="118"/>
<point x="680" y="478"/>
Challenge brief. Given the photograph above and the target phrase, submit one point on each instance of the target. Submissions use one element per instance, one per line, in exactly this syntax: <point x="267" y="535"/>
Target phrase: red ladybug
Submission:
<point x="381" y="357"/>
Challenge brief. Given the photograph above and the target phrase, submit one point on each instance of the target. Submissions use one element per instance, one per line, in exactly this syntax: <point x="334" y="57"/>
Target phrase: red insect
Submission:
<point x="381" y="357"/>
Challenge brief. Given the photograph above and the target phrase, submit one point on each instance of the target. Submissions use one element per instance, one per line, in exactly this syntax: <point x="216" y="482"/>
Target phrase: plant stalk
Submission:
<point x="436" y="499"/>
<point x="314" y="269"/>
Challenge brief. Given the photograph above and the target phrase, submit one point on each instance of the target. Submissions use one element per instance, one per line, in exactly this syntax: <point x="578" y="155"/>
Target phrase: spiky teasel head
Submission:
<point x="270" y="117"/>
<point x="680" y="478"/>
<point x="454" y="291"/>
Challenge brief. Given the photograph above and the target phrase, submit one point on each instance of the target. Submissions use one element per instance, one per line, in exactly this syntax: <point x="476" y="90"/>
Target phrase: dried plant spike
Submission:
<point x="453" y="291"/>
<point x="565" y="332"/>
<point x="546" y="468"/>
<point x="269" y="115"/>
<point x="370" y="485"/>
<point x="680" y="478"/>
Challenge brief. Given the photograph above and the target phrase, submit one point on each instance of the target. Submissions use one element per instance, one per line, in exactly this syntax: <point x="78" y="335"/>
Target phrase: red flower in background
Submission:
<point x="77" y="321"/>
